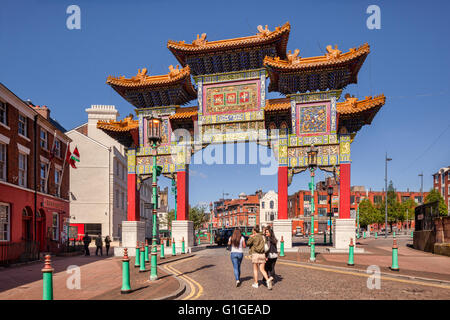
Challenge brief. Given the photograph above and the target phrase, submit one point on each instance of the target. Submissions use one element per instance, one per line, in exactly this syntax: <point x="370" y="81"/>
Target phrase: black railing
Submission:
<point x="15" y="252"/>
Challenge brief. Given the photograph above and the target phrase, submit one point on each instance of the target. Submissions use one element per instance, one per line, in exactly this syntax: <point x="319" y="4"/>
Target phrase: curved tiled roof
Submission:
<point x="352" y="105"/>
<point x="124" y="125"/>
<point x="184" y="113"/>
<point x="277" y="104"/>
<point x="334" y="57"/>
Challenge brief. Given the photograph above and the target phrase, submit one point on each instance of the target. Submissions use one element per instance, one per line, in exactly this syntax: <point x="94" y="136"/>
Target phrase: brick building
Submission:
<point x="243" y="211"/>
<point x="34" y="182"/>
<point x="441" y="183"/>
<point x="299" y="205"/>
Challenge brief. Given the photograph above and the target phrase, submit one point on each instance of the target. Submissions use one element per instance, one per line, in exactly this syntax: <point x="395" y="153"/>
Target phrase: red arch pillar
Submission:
<point x="183" y="194"/>
<point x="344" y="190"/>
<point x="282" y="193"/>
<point x="133" y="197"/>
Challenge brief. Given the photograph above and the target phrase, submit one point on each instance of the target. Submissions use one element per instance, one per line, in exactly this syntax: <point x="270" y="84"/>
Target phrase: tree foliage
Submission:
<point x="198" y="216"/>
<point x="368" y="213"/>
<point x="434" y="196"/>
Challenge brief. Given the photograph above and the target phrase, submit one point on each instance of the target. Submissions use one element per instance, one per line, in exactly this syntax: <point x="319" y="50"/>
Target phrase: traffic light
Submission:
<point x="158" y="170"/>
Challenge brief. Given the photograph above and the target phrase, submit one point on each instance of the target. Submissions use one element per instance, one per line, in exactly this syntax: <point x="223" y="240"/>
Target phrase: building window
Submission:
<point x="123" y="200"/>
<point x="22" y="125"/>
<point x="4" y="222"/>
<point x="271" y="204"/>
<point x="352" y="199"/>
<point x="323" y="199"/>
<point x="22" y="170"/>
<point x="57" y="148"/>
<point x="117" y="199"/>
<point x="58" y="174"/>
<point x="307" y="197"/>
<point x="44" y="139"/>
<point x="377" y="199"/>
<point x="443" y="175"/>
<point x="117" y="168"/>
<point x="443" y="191"/>
<point x="2" y="161"/>
<point x="405" y="198"/>
<point x="55" y="226"/>
<point x="43" y="177"/>
<point x="322" y="211"/>
<point x="262" y="204"/>
<point x="3" y="113"/>
<point x="418" y="199"/>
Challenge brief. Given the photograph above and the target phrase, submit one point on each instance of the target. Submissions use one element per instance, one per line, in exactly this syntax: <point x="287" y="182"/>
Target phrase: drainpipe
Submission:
<point x="35" y="175"/>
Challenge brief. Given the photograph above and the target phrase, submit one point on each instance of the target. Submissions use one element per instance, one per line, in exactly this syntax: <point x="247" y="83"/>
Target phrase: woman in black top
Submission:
<point x="271" y="252"/>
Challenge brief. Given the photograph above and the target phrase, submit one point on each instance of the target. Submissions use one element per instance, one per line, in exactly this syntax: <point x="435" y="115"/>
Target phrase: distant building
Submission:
<point x="441" y="183"/>
<point x="99" y="184"/>
<point x="268" y="208"/>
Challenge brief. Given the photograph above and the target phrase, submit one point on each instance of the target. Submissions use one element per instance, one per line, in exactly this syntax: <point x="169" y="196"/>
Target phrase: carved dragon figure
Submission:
<point x="333" y="53"/>
<point x="200" y="41"/>
<point x="293" y="57"/>
<point x="174" y="71"/>
<point x="263" y="32"/>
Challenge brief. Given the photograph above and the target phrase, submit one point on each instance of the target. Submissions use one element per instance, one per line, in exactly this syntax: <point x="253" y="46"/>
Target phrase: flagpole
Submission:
<point x="64" y="167"/>
<point x="50" y="162"/>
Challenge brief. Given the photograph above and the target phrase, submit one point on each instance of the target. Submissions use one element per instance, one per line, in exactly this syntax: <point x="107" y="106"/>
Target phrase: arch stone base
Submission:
<point x="283" y="228"/>
<point x="183" y="229"/>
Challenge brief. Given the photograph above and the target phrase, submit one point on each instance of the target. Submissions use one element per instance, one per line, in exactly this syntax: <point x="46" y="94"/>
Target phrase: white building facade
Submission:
<point x="99" y="184"/>
<point x="268" y="208"/>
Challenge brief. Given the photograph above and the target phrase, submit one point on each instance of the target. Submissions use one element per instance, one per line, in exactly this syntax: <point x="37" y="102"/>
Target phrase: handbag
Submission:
<point x="266" y="246"/>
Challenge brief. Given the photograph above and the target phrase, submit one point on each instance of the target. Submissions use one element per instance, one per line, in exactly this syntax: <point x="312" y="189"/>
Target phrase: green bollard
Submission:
<point x="282" y="247"/>
<point x="324" y="237"/>
<point x="136" y="260"/>
<point x="376" y="235"/>
<point x="394" y="234"/>
<point x="364" y="234"/>
<point x="174" y="253"/>
<point x="312" y="257"/>
<point x="142" y="264"/>
<point x="126" y="288"/>
<point x="351" y="253"/>
<point x="162" y="250"/>
<point x="146" y="251"/>
<point x="412" y="234"/>
<point x="199" y="240"/>
<point x="357" y="235"/>
<point x="394" y="266"/>
<point x="182" y="246"/>
<point x="47" y="277"/>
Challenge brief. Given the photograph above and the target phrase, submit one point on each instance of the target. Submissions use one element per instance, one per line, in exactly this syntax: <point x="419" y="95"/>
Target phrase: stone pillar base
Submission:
<point x="132" y="231"/>
<point x="343" y="230"/>
<point x="183" y="229"/>
<point x="283" y="228"/>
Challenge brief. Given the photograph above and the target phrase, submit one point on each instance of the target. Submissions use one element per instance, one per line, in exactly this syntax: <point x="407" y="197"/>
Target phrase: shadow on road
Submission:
<point x="198" y="269"/>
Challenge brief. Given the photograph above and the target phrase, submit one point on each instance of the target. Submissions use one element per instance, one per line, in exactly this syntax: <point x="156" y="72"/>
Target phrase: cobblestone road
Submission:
<point x="210" y="276"/>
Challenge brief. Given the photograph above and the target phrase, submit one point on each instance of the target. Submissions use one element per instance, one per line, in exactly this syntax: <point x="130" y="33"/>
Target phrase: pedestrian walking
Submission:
<point x="107" y="244"/>
<point x="256" y="245"/>
<point x="99" y="245"/>
<point x="271" y="252"/>
<point x="237" y="243"/>
<point x="86" y="241"/>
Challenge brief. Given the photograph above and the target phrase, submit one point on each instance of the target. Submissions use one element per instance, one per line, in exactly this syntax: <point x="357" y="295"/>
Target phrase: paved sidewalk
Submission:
<point x="101" y="279"/>
<point x="412" y="262"/>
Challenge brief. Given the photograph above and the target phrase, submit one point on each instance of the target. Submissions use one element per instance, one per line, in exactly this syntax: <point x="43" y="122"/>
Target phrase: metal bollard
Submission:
<point x="182" y="246"/>
<point x="312" y="257"/>
<point x="146" y="251"/>
<point x="174" y="253"/>
<point x="394" y="266"/>
<point x="47" y="278"/>
<point x="364" y="234"/>
<point x="126" y="288"/>
<point x="142" y="262"/>
<point x="351" y="248"/>
<point x="324" y="237"/>
<point x="282" y="247"/>
<point x="376" y="235"/>
<point x="138" y="255"/>
<point x="162" y="250"/>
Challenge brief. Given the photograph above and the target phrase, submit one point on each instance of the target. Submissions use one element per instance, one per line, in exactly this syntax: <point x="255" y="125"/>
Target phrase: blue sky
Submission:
<point x="66" y="70"/>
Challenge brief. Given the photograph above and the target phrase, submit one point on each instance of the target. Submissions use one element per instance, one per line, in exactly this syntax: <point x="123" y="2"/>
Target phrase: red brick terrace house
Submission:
<point x="34" y="182"/>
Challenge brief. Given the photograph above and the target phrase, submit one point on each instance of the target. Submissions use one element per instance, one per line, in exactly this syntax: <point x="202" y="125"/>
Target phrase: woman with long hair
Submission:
<point x="256" y="245"/>
<point x="271" y="252"/>
<point x="237" y="243"/>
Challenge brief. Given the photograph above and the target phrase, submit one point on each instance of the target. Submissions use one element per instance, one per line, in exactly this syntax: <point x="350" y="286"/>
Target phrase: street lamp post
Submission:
<point x="421" y="188"/>
<point x="385" y="197"/>
<point x="330" y="195"/>
<point x="154" y="137"/>
<point x="312" y="164"/>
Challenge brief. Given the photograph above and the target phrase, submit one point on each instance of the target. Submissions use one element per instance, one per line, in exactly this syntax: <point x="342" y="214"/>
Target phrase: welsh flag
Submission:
<point x="75" y="155"/>
<point x="72" y="157"/>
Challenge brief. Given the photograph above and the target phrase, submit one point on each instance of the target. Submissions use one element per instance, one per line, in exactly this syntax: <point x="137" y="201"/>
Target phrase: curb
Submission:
<point x="363" y="271"/>
<point x="177" y="293"/>
<point x="185" y="256"/>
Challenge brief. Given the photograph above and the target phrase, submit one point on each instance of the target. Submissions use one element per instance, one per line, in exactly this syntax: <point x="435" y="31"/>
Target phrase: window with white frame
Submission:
<point x="22" y="125"/>
<point x="3" y="161"/>
<point x="57" y="148"/>
<point x="443" y="175"/>
<point x="44" y="139"/>
<point x="55" y="226"/>
<point x="4" y="222"/>
<point x="58" y="174"/>
<point x="43" y="175"/>
<point x="3" y="113"/>
<point x="23" y="169"/>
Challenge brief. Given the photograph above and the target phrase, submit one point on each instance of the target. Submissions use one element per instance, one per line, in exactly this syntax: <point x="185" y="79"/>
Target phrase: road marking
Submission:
<point x="366" y="275"/>
<point x="196" y="288"/>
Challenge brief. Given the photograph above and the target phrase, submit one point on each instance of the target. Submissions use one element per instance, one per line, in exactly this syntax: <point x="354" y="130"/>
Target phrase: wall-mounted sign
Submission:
<point x="53" y="204"/>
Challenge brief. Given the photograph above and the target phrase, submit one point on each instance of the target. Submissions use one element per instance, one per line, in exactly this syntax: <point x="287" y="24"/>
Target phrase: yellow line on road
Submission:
<point x="366" y="275"/>
<point x="192" y="283"/>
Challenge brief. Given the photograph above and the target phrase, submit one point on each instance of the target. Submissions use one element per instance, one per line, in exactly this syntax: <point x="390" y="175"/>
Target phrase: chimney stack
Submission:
<point x="43" y="111"/>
